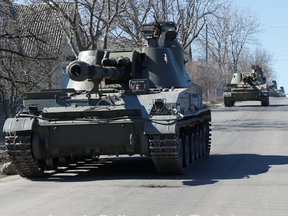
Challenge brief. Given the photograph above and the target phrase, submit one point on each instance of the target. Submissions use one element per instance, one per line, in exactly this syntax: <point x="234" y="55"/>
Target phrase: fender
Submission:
<point x="18" y="124"/>
<point x="160" y="127"/>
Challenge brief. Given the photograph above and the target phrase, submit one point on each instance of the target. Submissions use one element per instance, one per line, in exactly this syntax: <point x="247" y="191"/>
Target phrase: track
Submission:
<point x="18" y="145"/>
<point x="178" y="153"/>
<point x="171" y="153"/>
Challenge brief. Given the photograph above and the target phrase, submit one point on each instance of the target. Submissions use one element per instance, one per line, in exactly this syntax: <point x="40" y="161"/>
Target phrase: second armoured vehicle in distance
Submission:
<point x="273" y="91"/>
<point x="282" y="92"/>
<point x="118" y="102"/>
<point x="247" y="86"/>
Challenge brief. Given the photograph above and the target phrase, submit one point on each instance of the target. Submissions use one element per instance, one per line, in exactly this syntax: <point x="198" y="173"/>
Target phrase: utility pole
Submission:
<point x="206" y="67"/>
<point x="164" y="3"/>
<point x="206" y="44"/>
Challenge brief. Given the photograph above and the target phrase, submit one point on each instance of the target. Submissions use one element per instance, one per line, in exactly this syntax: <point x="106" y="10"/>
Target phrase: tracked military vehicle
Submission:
<point x="282" y="92"/>
<point x="117" y="102"/>
<point x="247" y="86"/>
<point x="273" y="91"/>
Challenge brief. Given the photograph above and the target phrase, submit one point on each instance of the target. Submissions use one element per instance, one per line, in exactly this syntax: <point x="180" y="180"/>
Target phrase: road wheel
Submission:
<point x="265" y="101"/>
<point x="73" y="160"/>
<point x="186" y="143"/>
<point x="227" y="102"/>
<point x="181" y="151"/>
<point x="64" y="161"/>
<point x="205" y="141"/>
<point x="42" y="165"/>
<point x="52" y="163"/>
<point x="193" y="147"/>
<point x="197" y="145"/>
<point x="201" y="150"/>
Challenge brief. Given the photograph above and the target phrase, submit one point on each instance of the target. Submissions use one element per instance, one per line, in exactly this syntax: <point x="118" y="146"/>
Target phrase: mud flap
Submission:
<point x="18" y="124"/>
<point x="159" y="127"/>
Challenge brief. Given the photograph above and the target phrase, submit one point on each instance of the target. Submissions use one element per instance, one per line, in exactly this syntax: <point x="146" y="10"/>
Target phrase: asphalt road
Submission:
<point x="245" y="175"/>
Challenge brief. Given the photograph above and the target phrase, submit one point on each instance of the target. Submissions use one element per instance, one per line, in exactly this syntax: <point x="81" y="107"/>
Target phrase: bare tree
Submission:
<point x="219" y="44"/>
<point x="103" y="23"/>
<point x="19" y="76"/>
<point x="258" y="56"/>
<point x="229" y="32"/>
<point x="163" y="10"/>
<point x="90" y="23"/>
<point x="191" y="17"/>
<point x="27" y="62"/>
<point x="204" y="75"/>
<point x="12" y="34"/>
<point x="243" y="30"/>
<point x="128" y="26"/>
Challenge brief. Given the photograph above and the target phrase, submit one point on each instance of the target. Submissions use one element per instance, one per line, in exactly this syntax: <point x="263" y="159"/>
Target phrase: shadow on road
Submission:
<point x="210" y="171"/>
<point x="249" y="125"/>
<point x="234" y="166"/>
<point x="105" y="169"/>
<point x="271" y="107"/>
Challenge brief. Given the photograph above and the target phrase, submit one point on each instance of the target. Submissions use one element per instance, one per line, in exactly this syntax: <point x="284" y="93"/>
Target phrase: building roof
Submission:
<point x="42" y="23"/>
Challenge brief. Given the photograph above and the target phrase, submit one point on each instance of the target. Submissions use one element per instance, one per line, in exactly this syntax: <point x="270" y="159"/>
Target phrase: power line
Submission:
<point x="269" y="6"/>
<point x="281" y="51"/>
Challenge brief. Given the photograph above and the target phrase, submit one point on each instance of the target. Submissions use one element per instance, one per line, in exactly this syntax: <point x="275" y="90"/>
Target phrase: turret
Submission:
<point x="255" y="76"/>
<point x="274" y="84"/>
<point x="159" y="63"/>
<point x="165" y="58"/>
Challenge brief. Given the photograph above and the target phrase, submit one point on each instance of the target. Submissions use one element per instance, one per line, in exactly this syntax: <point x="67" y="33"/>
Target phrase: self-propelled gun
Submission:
<point x="117" y="102"/>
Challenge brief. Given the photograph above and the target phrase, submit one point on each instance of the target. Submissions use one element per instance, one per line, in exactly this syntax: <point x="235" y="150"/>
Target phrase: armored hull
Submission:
<point x="273" y="91"/>
<point x="247" y="86"/>
<point x="130" y="125"/>
<point x="105" y="112"/>
<point x="245" y="93"/>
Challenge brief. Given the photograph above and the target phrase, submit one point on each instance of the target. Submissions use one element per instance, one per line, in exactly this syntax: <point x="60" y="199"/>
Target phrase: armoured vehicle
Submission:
<point x="273" y="91"/>
<point x="117" y="102"/>
<point x="247" y="86"/>
<point x="282" y="92"/>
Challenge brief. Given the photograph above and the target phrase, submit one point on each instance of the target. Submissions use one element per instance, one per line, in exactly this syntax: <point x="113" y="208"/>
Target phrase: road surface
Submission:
<point x="245" y="175"/>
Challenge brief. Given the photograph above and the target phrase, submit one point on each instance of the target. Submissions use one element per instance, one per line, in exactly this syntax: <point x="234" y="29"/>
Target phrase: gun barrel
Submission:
<point x="246" y="79"/>
<point x="80" y="71"/>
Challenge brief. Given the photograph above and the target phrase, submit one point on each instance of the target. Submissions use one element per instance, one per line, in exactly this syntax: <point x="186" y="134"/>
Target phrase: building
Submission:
<point x="38" y="32"/>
